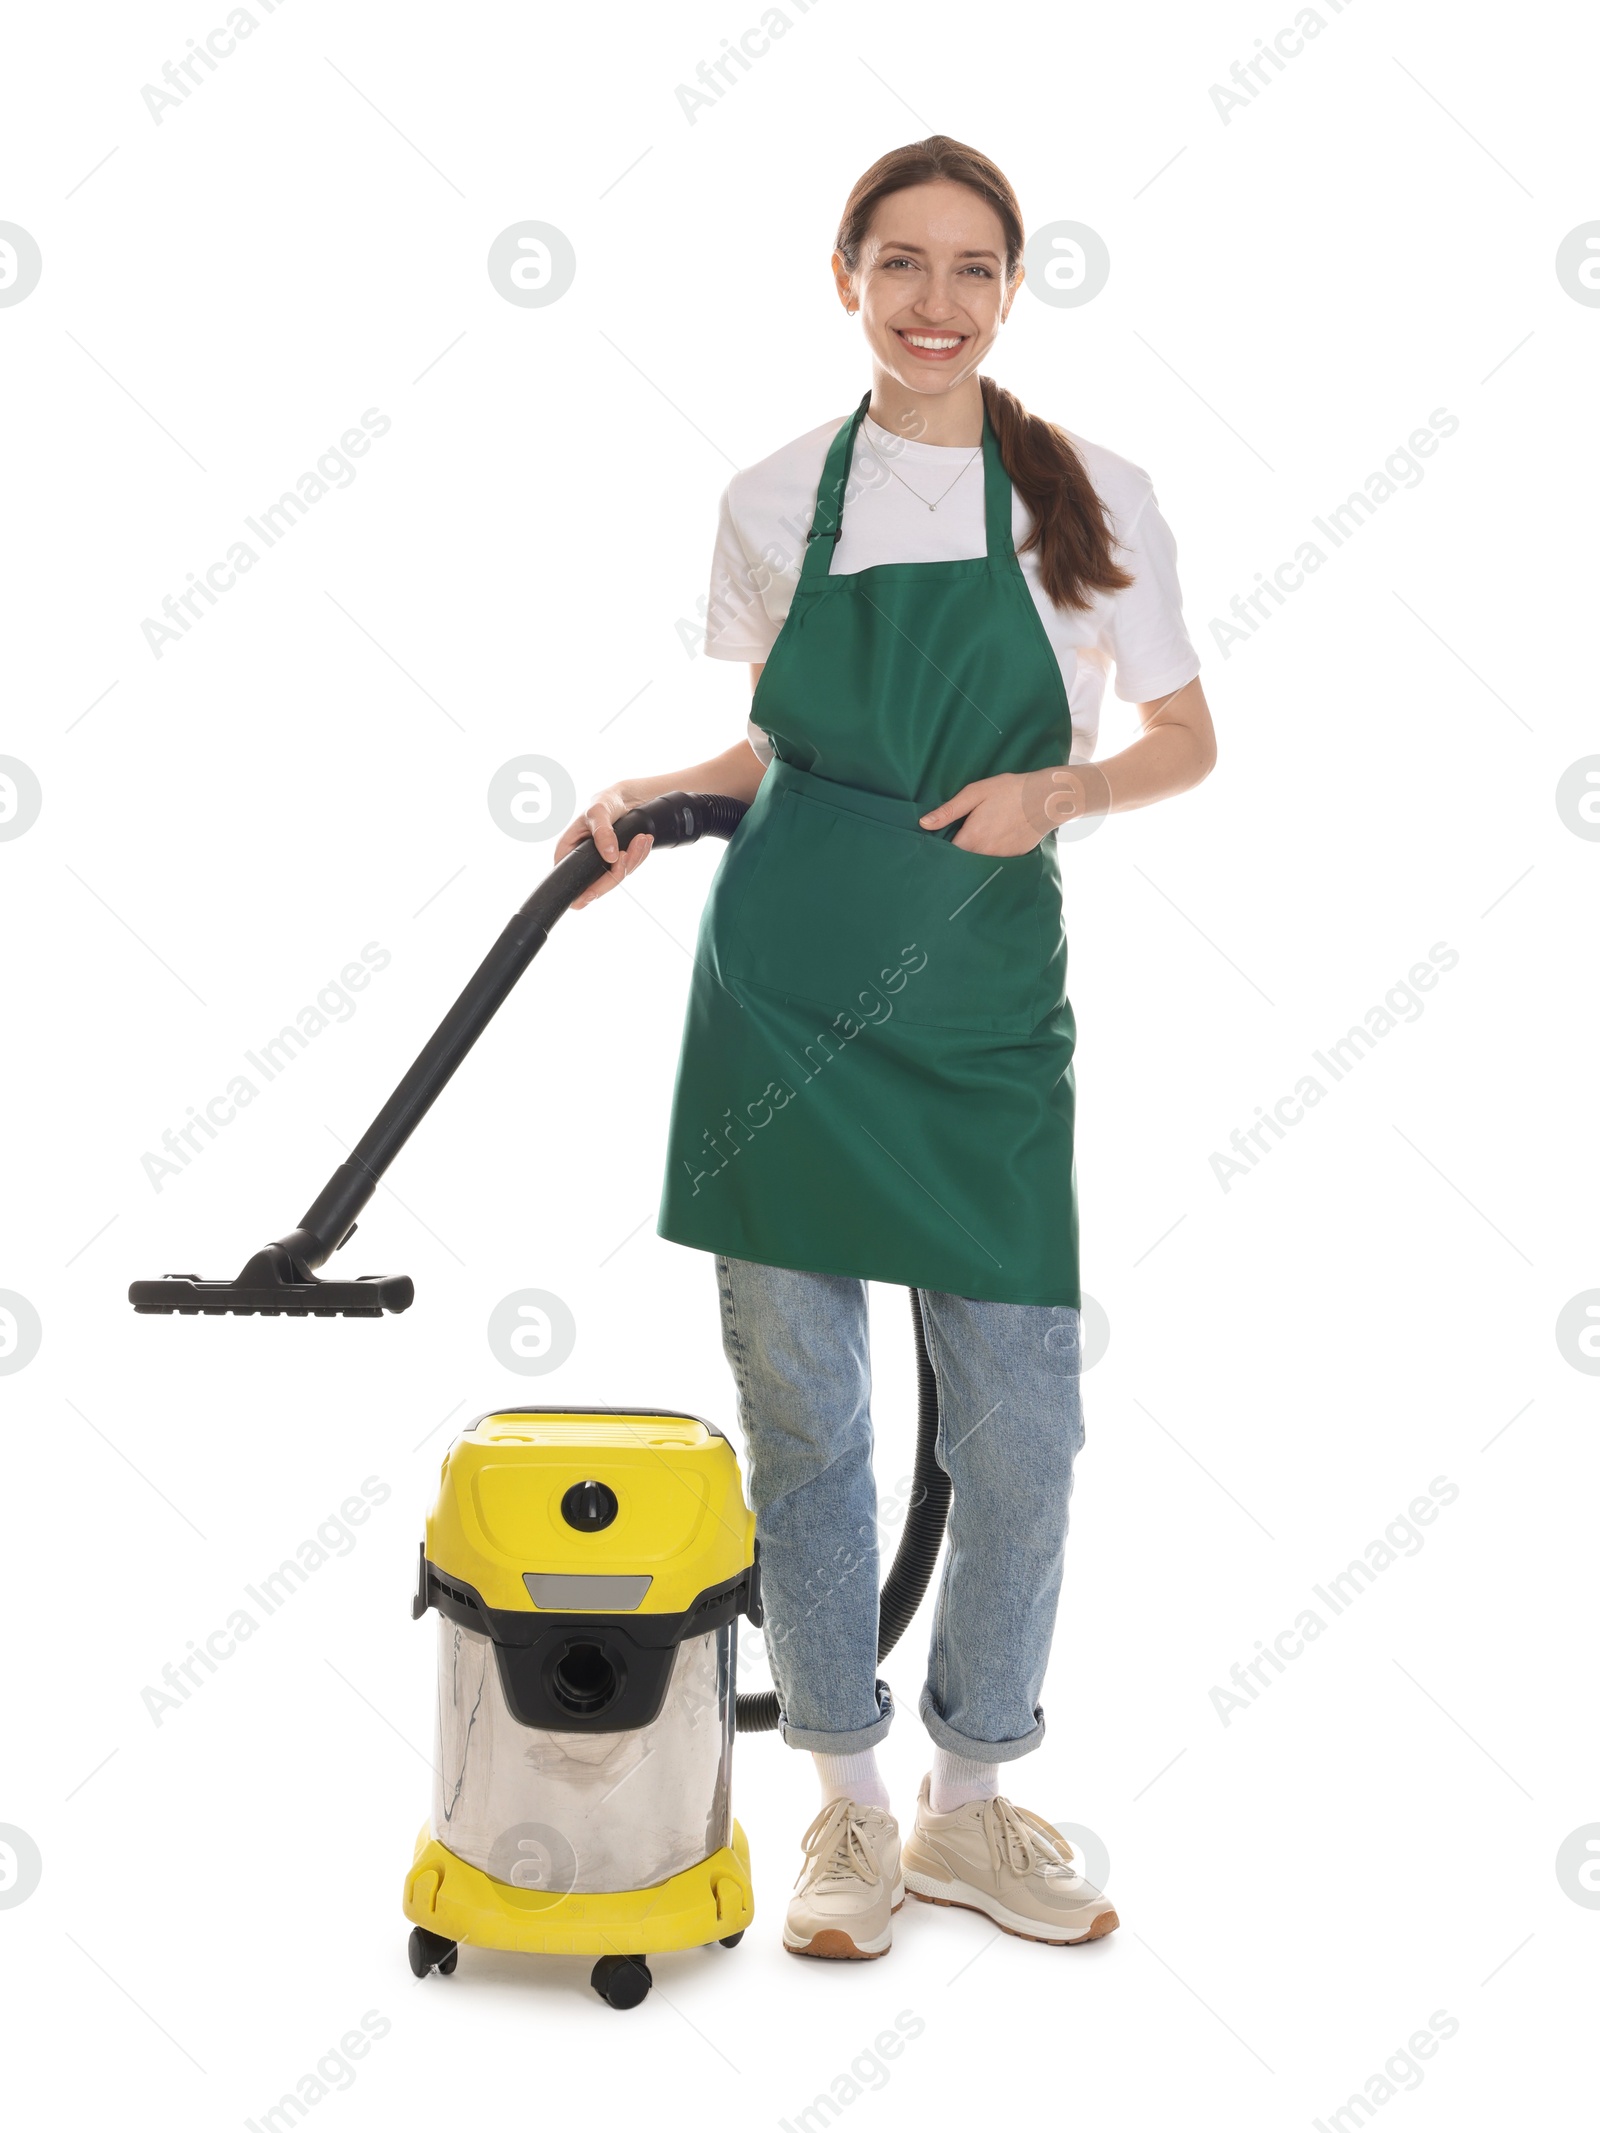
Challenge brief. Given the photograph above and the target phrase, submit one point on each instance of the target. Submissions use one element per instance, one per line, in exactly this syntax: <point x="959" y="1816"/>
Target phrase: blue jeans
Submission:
<point x="1010" y="1425"/>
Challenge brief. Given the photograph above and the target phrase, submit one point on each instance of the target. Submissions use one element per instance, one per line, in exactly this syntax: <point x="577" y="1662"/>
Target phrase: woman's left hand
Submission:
<point x="1013" y="813"/>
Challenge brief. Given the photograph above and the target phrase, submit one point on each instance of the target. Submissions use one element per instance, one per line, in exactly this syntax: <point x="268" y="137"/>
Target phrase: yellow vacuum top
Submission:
<point x="590" y="1511"/>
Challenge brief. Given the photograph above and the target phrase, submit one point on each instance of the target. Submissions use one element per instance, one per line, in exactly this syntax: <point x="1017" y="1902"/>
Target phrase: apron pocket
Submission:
<point x="864" y="918"/>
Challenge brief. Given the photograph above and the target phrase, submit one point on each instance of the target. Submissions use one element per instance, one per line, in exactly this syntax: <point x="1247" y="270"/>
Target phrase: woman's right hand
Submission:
<point x="595" y="822"/>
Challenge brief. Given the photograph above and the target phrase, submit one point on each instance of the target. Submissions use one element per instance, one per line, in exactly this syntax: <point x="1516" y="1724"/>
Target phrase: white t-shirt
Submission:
<point x="766" y="513"/>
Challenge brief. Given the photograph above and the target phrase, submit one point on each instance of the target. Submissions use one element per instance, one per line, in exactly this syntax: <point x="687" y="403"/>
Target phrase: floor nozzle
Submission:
<point x="271" y="1285"/>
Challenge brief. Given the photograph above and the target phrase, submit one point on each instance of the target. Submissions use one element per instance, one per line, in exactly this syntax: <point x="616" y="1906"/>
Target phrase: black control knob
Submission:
<point x="589" y="1505"/>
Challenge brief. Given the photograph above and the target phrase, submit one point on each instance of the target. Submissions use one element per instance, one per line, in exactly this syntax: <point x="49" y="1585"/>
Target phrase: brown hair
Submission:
<point x="1070" y="527"/>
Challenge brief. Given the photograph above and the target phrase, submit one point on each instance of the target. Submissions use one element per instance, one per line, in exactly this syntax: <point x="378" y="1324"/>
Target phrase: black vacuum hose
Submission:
<point x="918" y="1551"/>
<point x="681" y="818"/>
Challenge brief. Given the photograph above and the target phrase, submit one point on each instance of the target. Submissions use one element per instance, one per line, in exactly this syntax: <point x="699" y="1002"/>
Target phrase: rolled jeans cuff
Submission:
<point x="855" y="1743"/>
<point x="978" y="1751"/>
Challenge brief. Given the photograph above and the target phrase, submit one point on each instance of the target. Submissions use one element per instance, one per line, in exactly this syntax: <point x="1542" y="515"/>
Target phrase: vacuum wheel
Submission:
<point x="732" y="1940"/>
<point x="431" y="1951"/>
<point x="621" y="1980"/>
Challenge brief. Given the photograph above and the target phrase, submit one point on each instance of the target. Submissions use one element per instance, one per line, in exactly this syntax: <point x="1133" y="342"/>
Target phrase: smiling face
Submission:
<point x="930" y="283"/>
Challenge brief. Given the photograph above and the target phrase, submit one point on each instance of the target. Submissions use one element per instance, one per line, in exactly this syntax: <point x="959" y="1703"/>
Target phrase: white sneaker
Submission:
<point x="849" y="1885"/>
<point x="1013" y="1866"/>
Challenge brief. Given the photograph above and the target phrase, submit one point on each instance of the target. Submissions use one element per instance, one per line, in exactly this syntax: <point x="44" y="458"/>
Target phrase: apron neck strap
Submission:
<point x="827" y="523"/>
<point x="996" y="497"/>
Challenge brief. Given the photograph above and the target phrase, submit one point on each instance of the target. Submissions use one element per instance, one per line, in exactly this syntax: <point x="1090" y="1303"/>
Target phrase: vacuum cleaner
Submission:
<point x="588" y="1567"/>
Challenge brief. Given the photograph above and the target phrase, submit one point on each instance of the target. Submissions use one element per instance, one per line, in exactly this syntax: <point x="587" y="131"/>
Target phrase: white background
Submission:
<point x="1290" y="1362"/>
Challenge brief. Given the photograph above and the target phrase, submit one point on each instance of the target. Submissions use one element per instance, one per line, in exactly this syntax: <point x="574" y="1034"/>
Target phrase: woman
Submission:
<point x="876" y="1078"/>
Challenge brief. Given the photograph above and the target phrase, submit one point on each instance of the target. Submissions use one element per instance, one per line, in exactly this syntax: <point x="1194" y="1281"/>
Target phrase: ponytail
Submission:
<point x="1070" y="528"/>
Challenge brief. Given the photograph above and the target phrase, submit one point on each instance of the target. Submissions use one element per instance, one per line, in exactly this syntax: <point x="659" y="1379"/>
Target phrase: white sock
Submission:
<point x="852" y="1777"/>
<point x="956" y="1782"/>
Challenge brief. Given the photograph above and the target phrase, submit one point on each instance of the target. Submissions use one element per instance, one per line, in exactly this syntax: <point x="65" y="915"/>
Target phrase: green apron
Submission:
<point x="876" y="1075"/>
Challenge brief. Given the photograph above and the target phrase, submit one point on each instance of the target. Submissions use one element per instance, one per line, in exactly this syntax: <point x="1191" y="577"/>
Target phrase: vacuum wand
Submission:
<point x="282" y="1277"/>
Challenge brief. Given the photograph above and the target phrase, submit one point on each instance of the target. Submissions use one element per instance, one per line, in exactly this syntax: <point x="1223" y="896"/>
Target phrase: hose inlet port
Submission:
<point x="585" y="1680"/>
